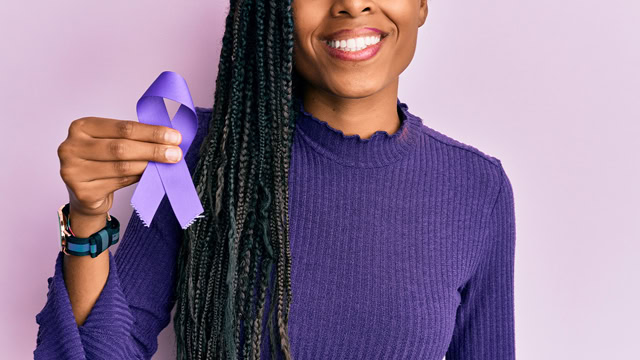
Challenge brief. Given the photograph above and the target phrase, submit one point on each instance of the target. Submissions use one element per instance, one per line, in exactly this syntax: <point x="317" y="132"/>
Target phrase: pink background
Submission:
<point x="551" y="88"/>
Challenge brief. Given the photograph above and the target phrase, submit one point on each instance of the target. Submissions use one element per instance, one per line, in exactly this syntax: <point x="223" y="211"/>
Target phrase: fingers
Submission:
<point x="106" y="128"/>
<point x="126" y="150"/>
<point x="102" y="155"/>
<point x="89" y="170"/>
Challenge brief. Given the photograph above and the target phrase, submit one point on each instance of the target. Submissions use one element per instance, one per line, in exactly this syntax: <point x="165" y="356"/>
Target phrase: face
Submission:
<point x="374" y="65"/>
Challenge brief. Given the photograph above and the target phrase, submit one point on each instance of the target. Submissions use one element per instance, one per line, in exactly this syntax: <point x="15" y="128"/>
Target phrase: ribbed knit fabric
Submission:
<point x="402" y="247"/>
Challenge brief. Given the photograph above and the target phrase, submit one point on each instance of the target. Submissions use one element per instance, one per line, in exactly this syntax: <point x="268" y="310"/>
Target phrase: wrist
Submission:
<point x="83" y="226"/>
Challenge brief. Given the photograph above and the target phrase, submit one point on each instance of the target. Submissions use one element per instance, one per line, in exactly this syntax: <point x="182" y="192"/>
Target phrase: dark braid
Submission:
<point x="227" y="258"/>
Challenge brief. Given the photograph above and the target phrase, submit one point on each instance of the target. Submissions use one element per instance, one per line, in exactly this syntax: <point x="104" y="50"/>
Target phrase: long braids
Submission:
<point x="226" y="259"/>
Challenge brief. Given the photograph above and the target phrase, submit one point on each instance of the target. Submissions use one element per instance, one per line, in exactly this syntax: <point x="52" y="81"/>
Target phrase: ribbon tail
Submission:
<point x="148" y="194"/>
<point x="184" y="199"/>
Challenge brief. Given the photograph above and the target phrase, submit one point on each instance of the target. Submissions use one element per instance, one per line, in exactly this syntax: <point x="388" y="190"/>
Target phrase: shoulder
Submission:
<point x="461" y="160"/>
<point x="456" y="145"/>
<point x="469" y="171"/>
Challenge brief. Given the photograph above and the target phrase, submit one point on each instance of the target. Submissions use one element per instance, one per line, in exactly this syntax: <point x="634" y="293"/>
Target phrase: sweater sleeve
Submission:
<point x="484" y="326"/>
<point x="136" y="301"/>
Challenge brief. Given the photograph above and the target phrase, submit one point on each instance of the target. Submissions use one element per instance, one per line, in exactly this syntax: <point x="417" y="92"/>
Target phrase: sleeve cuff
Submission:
<point x="104" y="334"/>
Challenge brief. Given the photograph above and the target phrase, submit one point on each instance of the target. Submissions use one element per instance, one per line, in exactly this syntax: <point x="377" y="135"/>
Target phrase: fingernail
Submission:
<point x="172" y="137"/>
<point x="172" y="154"/>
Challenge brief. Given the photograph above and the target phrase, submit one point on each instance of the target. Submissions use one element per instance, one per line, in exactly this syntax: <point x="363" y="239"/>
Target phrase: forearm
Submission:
<point x="85" y="276"/>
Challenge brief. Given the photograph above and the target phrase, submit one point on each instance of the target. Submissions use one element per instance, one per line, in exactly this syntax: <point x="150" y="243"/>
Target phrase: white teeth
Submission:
<point x="355" y="44"/>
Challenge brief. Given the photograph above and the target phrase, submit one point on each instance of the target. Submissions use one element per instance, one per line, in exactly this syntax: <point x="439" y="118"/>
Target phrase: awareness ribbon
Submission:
<point x="173" y="179"/>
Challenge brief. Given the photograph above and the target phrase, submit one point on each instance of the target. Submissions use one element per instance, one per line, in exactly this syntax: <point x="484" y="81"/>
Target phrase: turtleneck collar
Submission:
<point x="380" y="149"/>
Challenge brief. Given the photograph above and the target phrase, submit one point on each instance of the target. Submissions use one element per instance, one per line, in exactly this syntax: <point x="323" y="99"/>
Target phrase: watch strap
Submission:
<point x="93" y="245"/>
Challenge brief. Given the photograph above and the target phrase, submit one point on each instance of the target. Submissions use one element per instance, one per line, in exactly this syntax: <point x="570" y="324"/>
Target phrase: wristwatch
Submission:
<point x="94" y="244"/>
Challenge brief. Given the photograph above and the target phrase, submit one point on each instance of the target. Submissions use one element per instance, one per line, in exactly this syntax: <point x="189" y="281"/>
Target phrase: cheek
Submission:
<point x="406" y="39"/>
<point x="304" y="51"/>
<point x="300" y="54"/>
<point x="305" y="22"/>
<point x="301" y="44"/>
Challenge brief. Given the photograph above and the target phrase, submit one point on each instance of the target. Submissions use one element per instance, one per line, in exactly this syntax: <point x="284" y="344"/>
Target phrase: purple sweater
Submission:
<point x="402" y="247"/>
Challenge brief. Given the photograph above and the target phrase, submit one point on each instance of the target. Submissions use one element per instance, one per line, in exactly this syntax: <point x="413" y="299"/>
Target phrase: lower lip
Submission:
<point x="364" y="54"/>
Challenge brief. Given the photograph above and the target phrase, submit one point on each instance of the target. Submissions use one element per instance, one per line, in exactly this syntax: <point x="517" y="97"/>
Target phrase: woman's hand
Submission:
<point x="102" y="155"/>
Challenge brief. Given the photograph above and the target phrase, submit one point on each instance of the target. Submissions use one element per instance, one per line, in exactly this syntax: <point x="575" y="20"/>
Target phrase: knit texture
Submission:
<point x="402" y="247"/>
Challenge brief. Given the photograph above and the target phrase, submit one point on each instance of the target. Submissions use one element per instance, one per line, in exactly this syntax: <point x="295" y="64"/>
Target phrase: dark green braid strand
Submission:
<point x="226" y="259"/>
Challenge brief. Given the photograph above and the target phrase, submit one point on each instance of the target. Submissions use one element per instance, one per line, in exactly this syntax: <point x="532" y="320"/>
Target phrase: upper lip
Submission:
<point x="344" y="34"/>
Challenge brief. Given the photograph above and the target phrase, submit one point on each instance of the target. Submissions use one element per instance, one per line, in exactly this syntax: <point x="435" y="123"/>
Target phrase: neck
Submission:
<point x="381" y="148"/>
<point x="356" y="116"/>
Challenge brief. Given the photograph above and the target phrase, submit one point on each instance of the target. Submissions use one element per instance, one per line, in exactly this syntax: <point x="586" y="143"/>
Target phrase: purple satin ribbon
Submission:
<point x="174" y="179"/>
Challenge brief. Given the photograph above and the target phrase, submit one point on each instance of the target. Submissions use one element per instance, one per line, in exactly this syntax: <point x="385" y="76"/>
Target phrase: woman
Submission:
<point x="400" y="243"/>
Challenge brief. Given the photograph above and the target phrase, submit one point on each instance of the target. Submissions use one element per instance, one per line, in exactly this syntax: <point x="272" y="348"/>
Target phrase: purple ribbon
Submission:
<point x="173" y="179"/>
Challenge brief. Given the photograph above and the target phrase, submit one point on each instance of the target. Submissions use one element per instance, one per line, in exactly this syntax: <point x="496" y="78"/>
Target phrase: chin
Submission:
<point x="355" y="89"/>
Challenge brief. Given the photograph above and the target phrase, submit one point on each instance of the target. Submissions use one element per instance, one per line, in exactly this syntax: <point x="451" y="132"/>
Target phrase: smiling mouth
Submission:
<point x="355" y="44"/>
<point x="358" y="49"/>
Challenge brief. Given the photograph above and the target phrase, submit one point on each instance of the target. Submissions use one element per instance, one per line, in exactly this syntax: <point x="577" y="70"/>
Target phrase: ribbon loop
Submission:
<point x="173" y="179"/>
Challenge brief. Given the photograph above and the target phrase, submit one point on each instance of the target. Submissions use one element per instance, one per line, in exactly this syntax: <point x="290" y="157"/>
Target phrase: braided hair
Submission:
<point x="226" y="259"/>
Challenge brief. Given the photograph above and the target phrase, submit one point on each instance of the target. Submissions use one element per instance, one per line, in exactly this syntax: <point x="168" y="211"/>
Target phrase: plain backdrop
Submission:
<point x="551" y="88"/>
